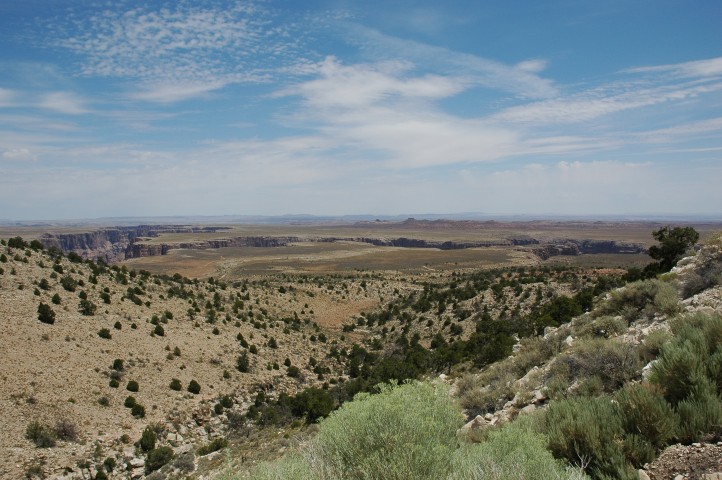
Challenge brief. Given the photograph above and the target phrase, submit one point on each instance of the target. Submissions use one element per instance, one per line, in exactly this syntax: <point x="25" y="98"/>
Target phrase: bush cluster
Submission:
<point x="609" y="435"/>
<point x="380" y="436"/>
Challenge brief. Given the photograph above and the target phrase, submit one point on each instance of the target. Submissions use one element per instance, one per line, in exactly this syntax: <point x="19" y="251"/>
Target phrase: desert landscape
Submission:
<point x="240" y="320"/>
<point x="338" y="240"/>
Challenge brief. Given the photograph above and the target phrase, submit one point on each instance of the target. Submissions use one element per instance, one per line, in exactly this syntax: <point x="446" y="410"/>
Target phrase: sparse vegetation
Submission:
<point x="40" y="435"/>
<point x="46" y="314"/>
<point x="194" y="387"/>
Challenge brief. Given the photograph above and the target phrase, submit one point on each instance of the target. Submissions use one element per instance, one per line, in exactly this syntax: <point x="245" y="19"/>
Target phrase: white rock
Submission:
<point x="528" y="409"/>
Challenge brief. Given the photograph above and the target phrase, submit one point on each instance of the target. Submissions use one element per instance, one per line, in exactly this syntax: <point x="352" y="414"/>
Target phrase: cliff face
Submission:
<point x="120" y="243"/>
<point x="417" y="243"/>
<point x="576" y="247"/>
<point x="107" y="244"/>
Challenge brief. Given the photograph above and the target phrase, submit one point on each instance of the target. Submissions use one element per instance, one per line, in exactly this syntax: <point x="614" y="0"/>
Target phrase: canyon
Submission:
<point x="116" y="244"/>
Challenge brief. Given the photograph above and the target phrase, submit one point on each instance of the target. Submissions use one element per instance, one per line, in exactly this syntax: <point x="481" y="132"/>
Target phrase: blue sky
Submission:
<point x="129" y="108"/>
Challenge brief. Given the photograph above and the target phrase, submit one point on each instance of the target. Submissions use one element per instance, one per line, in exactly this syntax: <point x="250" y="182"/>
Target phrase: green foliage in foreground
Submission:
<point x="680" y="403"/>
<point x="409" y="431"/>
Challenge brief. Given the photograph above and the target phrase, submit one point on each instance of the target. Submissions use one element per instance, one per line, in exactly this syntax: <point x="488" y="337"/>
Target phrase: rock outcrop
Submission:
<point x="579" y="247"/>
<point x="120" y="243"/>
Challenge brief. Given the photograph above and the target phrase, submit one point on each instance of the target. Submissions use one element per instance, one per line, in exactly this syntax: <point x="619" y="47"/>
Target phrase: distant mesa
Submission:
<point x="115" y="244"/>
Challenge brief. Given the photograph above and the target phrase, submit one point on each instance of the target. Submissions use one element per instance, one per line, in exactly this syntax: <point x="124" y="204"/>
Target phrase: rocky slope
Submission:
<point x="160" y="329"/>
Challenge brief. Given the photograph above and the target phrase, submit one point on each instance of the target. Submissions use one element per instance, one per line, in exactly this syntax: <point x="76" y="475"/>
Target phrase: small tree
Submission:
<point x="673" y="244"/>
<point x="46" y="314"/>
<point x="243" y="364"/>
<point x="138" y="410"/>
<point x="87" y="308"/>
<point x="147" y="440"/>
<point x="68" y="283"/>
<point x="157" y="458"/>
<point x="194" y="387"/>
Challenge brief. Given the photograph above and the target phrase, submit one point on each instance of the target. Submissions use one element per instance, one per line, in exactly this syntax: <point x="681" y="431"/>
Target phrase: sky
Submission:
<point x="556" y="107"/>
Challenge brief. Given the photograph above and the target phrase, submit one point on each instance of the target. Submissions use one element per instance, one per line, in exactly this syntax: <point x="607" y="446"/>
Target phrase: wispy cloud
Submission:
<point x="343" y="86"/>
<point x="19" y="155"/>
<point x="521" y="79"/>
<point x="607" y="99"/>
<point x="63" y="102"/>
<point x="711" y="67"/>
<point x="7" y="97"/>
<point x="182" y="51"/>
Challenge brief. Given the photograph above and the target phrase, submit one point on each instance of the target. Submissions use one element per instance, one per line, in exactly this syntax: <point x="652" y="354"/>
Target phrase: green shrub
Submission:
<point x="68" y="283"/>
<point x="638" y="450"/>
<point x="700" y="413"/>
<point x="118" y="365"/>
<point x="40" y="435"/>
<point x="17" y="242"/>
<point x="175" y="384"/>
<point x="313" y="403"/>
<point x="288" y="467"/>
<point x="100" y="473"/>
<point x="652" y="344"/>
<point x="130" y="401"/>
<point x="148" y="439"/>
<point x="243" y="364"/>
<point x="691" y="359"/>
<point x="605" y="326"/>
<point x="485" y="393"/>
<point x="615" y="363"/>
<point x="87" y="308"/>
<point x="109" y="463"/>
<point x="157" y="458"/>
<point x="194" y="387"/>
<point x="403" y="432"/>
<point x="408" y="432"/>
<point x="46" y="314"/>
<point x="138" y="410"/>
<point x="517" y="451"/>
<point x="105" y="333"/>
<point x="113" y="383"/>
<point x="158" y="331"/>
<point x="55" y="299"/>
<point x="642" y="298"/>
<point x="132" y="386"/>
<point x="588" y="433"/>
<point x="213" y="446"/>
<point x="645" y="412"/>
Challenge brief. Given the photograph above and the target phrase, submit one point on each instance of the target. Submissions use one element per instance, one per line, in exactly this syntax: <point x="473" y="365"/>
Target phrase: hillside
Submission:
<point x="632" y="384"/>
<point x="159" y="329"/>
<point x="68" y="377"/>
<point x="274" y="355"/>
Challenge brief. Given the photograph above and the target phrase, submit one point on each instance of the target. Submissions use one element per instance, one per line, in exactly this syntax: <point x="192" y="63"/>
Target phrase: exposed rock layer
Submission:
<point x="120" y="243"/>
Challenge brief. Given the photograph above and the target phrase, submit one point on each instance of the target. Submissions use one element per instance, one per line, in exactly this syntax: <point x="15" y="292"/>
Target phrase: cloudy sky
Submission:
<point x="126" y="108"/>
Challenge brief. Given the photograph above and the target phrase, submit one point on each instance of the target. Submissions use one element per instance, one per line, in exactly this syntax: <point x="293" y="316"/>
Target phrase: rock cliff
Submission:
<point x="120" y="243"/>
